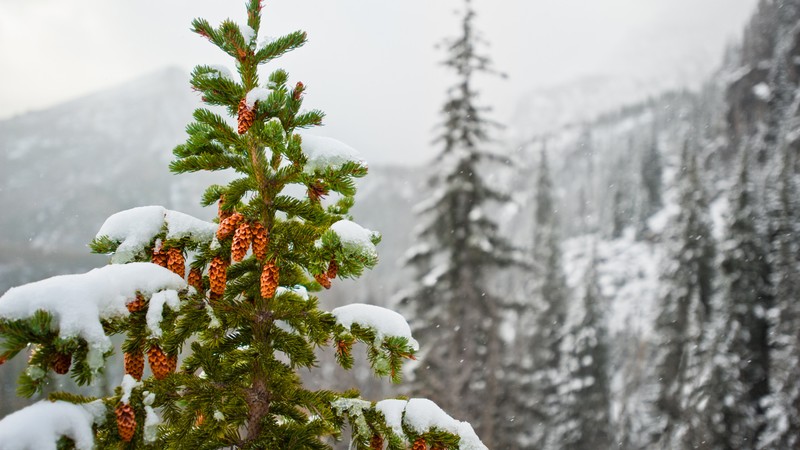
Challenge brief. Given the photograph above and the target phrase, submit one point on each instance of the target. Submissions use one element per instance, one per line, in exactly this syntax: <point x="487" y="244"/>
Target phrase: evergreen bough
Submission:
<point x="244" y="324"/>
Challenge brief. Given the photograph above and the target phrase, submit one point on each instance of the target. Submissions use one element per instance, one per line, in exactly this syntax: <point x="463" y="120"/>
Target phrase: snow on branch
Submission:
<point x="42" y="424"/>
<point x="134" y="229"/>
<point x="355" y="239"/>
<point x="384" y="322"/>
<point x="327" y="153"/>
<point x="78" y="303"/>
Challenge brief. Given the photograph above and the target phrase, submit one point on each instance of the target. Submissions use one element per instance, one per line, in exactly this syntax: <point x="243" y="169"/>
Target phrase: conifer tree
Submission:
<point x="782" y="415"/>
<point x="585" y="420"/>
<point x="748" y="299"/>
<point x="685" y="304"/>
<point x="460" y="247"/>
<point x="651" y="179"/>
<point x="226" y="341"/>
<point x="545" y="333"/>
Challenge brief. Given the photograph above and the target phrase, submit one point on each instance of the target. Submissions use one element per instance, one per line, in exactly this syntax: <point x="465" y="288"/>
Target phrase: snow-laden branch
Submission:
<point x="325" y="153"/>
<point x="42" y="424"/>
<point x="78" y="303"/>
<point x="384" y="322"/>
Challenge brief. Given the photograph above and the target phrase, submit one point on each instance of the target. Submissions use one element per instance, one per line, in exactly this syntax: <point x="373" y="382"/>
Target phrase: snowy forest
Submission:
<point x="623" y="279"/>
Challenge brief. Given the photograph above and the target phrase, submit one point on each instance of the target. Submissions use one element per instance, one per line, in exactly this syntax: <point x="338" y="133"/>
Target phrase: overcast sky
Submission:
<point x="370" y="64"/>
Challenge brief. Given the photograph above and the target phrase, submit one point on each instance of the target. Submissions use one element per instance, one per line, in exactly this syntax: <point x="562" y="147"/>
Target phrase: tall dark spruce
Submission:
<point x="459" y="316"/>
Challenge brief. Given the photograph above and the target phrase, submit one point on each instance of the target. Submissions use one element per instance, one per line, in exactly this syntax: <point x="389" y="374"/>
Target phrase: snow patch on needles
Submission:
<point x="385" y="322"/>
<point x="354" y="237"/>
<point x="42" y="424"/>
<point x="327" y="153"/>
<point x="392" y="410"/>
<point x="155" y="309"/>
<point x="422" y="414"/>
<point x="79" y="302"/>
<point x="128" y="385"/>
<point x="136" y="228"/>
<point x="222" y="72"/>
<point x="258" y="94"/>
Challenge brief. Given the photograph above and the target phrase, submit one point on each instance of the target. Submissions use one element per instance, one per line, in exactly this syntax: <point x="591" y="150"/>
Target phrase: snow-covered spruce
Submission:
<point x="355" y="239"/>
<point x="135" y="229"/>
<point x="79" y="303"/>
<point x="42" y="424"/>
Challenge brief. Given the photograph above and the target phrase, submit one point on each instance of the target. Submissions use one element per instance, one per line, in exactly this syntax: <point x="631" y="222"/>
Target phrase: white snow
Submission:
<point x="354" y="237"/>
<point x="324" y="152"/>
<point x="40" y="425"/>
<point x="385" y="322"/>
<point x="392" y="410"/>
<point x="422" y="414"/>
<point x="248" y="33"/>
<point x="136" y="228"/>
<point x="264" y="41"/>
<point x="155" y="309"/>
<point x="151" y="422"/>
<point x="128" y="385"/>
<point x="762" y="91"/>
<point x="79" y="302"/>
<point x="298" y="290"/>
<point x="222" y="72"/>
<point x="258" y="94"/>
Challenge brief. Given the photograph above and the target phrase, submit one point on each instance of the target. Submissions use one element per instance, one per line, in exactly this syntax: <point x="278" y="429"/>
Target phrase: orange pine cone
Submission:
<point x="175" y="261"/>
<point x="137" y="304"/>
<point x="196" y="279"/>
<point x="323" y="280"/>
<point x="241" y="241"/>
<point x="134" y="364"/>
<point x="217" y="275"/>
<point x="61" y="363"/>
<point x="199" y="420"/>
<point x="419" y="444"/>
<point x="126" y="421"/>
<point x="269" y="279"/>
<point x="246" y="116"/>
<point x="376" y="443"/>
<point x="161" y="364"/>
<point x="260" y="240"/>
<point x="159" y="258"/>
<point x="333" y="269"/>
<point x="227" y="226"/>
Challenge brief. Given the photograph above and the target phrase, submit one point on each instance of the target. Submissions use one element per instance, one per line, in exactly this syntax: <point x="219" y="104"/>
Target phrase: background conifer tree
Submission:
<point x="460" y="247"/>
<point x="223" y="311"/>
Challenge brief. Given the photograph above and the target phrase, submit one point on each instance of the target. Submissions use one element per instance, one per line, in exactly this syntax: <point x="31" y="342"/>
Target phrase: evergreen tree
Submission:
<point x="544" y="331"/>
<point x="651" y="173"/>
<point x="685" y="304"/>
<point x="461" y="247"/>
<point x="748" y="298"/>
<point x="782" y="415"/>
<point x="243" y="320"/>
<point x="585" y="420"/>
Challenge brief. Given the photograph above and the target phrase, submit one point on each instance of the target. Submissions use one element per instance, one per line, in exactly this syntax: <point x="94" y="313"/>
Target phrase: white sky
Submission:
<point x="369" y="64"/>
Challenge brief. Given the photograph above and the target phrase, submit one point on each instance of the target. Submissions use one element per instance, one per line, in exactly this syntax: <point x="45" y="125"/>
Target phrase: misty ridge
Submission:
<point x="655" y="246"/>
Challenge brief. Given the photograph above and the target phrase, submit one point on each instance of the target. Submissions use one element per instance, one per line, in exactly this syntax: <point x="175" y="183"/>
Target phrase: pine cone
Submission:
<point x="61" y="363"/>
<point x="227" y="226"/>
<point x="217" y="275"/>
<point x="260" y="240"/>
<point x="134" y="364"/>
<point x="175" y="261"/>
<point x="269" y="279"/>
<point x="333" y="269"/>
<point x="161" y="364"/>
<point x="137" y="304"/>
<point x="3" y="360"/>
<point x="126" y="421"/>
<point x="246" y="116"/>
<point x="419" y="444"/>
<point x="376" y="443"/>
<point x="323" y="280"/>
<point x="196" y="279"/>
<point x="241" y="241"/>
<point x="159" y="258"/>
<point x="199" y="420"/>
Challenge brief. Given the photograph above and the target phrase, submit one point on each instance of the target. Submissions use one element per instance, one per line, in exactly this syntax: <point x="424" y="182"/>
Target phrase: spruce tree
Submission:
<point x="227" y="341"/>
<point x="457" y="313"/>
<point x="585" y="420"/>
<point x="748" y="298"/>
<point x="544" y="332"/>
<point x="651" y="179"/>
<point x="685" y="304"/>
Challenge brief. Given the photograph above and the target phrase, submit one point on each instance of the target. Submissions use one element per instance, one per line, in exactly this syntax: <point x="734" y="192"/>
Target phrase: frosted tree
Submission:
<point x="685" y="304"/>
<point x="543" y="332"/>
<point x="455" y="310"/>
<point x="651" y="173"/>
<point x="224" y="312"/>
<point x="584" y="421"/>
